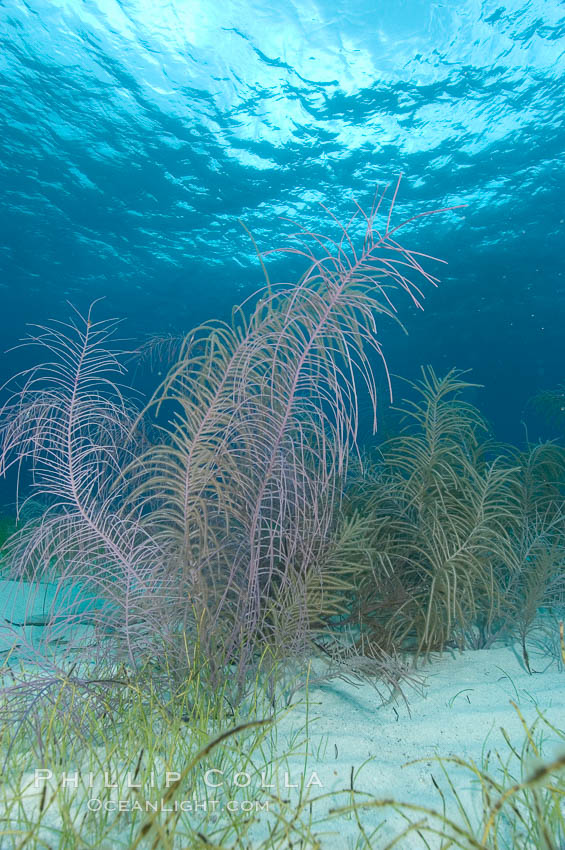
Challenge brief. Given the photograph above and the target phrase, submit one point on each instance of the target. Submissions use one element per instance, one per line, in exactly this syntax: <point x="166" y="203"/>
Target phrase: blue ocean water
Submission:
<point x="135" y="134"/>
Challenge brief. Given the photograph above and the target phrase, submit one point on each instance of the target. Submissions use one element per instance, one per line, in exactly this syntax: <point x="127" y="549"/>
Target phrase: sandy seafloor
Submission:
<point x="464" y="701"/>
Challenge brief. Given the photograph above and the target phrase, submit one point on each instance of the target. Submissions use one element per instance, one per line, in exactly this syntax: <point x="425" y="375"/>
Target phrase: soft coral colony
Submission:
<point x="222" y="521"/>
<point x="196" y="545"/>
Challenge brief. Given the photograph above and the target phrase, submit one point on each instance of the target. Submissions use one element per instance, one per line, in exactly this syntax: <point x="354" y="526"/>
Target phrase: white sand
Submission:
<point x="460" y="710"/>
<point x="26" y="607"/>
<point x="466" y="701"/>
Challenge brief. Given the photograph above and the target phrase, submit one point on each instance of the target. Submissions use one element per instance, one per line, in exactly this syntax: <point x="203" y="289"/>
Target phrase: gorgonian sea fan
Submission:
<point x="267" y="413"/>
<point x="68" y="421"/>
<point x="235" y="501"/>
